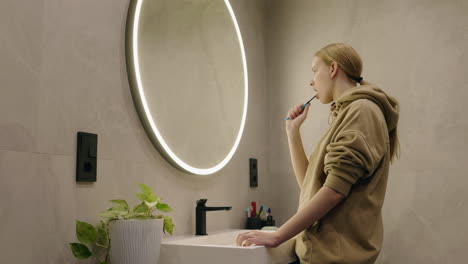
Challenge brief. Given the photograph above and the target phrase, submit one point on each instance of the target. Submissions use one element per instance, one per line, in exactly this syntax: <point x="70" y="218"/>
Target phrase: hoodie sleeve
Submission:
<point x="358" y="147"/>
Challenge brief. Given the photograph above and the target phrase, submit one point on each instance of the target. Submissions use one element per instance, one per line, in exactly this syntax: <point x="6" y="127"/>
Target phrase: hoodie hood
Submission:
<point x="388" y="104"/>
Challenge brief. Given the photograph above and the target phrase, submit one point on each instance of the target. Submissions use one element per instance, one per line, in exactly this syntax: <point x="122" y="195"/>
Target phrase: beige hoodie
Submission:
<point x="353" y="158"/>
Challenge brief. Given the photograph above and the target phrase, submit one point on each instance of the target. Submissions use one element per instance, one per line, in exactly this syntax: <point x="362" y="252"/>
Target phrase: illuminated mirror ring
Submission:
<point x="138" y="95"/>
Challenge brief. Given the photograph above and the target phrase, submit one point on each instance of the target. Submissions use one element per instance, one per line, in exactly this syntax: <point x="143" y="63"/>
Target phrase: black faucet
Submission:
<point x="200" y="211"/>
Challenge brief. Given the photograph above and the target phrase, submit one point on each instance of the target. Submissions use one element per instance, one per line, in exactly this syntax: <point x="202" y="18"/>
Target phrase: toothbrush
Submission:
<point x="260" y="211"/>
<point x="254" y="209"/>
<point x="268" y="212"/>
<point x="304" y="106"/>
<point x="247" y="209"/>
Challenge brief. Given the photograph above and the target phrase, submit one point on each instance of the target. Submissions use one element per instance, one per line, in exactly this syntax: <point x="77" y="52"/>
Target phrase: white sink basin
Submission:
<point x="220" y="247"/>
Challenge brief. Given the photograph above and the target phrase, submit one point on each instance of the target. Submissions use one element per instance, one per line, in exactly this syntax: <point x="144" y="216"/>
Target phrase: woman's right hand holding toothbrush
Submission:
<point x="297" y="117"/>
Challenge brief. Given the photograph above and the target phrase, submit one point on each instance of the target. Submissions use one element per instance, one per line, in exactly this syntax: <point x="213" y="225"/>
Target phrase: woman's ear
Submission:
<point x="333" y="69"/>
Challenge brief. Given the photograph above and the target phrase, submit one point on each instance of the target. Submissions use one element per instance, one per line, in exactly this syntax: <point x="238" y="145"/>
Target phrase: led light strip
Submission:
<point x="155" y="130"/>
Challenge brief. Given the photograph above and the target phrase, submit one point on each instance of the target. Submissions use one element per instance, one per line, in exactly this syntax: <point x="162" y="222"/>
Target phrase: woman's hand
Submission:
<point x="296" y="117"/>
<point x="267" y="239"/>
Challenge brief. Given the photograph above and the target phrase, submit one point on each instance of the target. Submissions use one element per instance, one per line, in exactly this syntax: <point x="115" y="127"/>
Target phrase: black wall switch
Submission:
<point x="253" y="172"/>
<point x="86" y="157"/>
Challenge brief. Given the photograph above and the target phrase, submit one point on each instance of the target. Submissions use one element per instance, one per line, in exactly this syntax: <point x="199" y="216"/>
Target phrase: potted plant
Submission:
<point x="135" y="234"/>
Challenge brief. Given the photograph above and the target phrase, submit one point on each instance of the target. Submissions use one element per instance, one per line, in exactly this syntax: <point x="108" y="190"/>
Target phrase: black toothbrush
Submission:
<point x="304" y="106"/>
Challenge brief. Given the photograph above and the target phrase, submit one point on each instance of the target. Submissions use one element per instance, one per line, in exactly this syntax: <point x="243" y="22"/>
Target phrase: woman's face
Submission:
<point x="321" y="81"/>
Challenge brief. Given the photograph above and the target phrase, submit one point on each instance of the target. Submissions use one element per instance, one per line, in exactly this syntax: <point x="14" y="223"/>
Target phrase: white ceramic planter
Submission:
<point x="135" y="241"/>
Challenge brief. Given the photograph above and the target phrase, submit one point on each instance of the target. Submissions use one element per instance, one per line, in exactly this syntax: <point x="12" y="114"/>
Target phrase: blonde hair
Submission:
<point x="350" y="62"/>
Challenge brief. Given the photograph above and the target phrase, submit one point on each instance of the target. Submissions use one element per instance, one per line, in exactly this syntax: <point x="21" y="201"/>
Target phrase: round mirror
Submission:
<point x="188" y="76"/>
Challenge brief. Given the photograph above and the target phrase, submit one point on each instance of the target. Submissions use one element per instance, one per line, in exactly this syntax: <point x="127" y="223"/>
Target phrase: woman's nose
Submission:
<point x="312" y="83"/>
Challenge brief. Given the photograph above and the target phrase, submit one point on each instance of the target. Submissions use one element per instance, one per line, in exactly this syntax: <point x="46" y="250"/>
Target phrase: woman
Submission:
<point x="343" y="183"/>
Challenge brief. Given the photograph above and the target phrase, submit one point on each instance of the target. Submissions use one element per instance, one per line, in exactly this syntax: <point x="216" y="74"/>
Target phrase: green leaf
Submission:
<point x="113" y="213"/>
<point x="141" y="209"/>
<point x="118" y="211"/>
<point x="109" y="214"/>
<point x="150" y="204"/>
<point x="141" y="197"/>
<point x="80" y="251"/>
<point x="86" y="233"/>
<point x="122" y="205"/>
<point x="164" y="207"/>
<point x="145" y="189"/>
<point x="147" y="194"/>
<point x="102" y="235"/>
<point x="168" y="225"/>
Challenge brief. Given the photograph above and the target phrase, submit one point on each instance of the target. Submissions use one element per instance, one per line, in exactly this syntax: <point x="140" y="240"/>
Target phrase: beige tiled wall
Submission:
<point x="416" y="51"/>
<point x="62" y="70"/>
